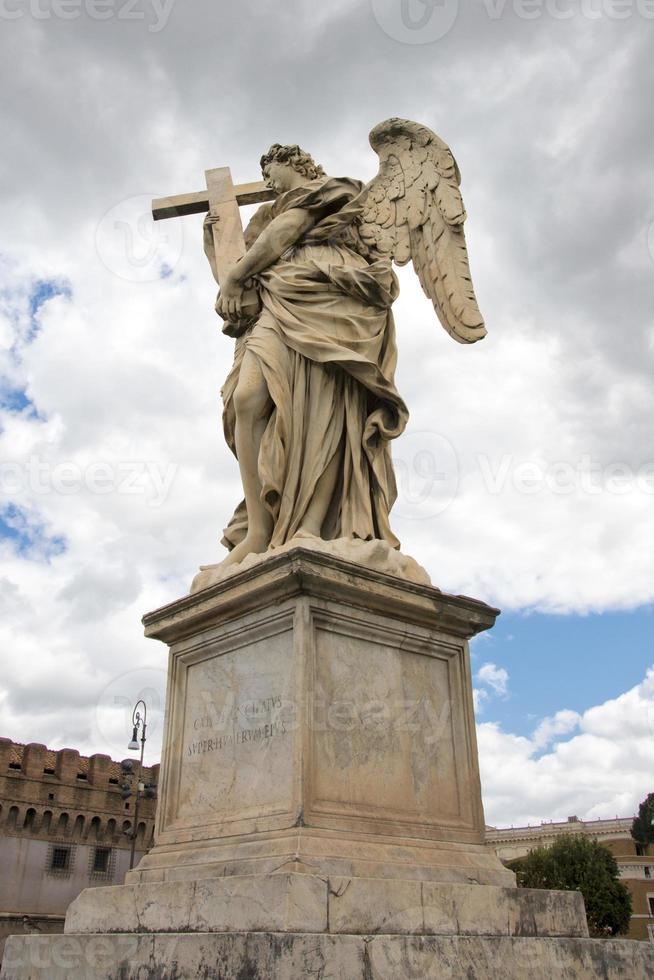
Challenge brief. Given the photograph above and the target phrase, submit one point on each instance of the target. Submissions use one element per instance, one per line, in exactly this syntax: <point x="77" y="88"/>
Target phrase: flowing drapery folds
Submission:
<point x="325" y="342"/>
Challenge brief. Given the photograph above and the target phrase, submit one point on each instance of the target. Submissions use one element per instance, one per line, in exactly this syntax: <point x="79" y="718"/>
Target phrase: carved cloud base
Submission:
<point x="378" y="556"/>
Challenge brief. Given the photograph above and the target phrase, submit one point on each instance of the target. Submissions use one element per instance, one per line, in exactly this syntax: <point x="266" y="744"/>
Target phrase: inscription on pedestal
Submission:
<point x="251" y="712"/>
<point x="235" y="756"/>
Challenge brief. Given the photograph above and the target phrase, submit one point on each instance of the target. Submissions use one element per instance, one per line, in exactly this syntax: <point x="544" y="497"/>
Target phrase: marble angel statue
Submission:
<point x="310" y="405"/>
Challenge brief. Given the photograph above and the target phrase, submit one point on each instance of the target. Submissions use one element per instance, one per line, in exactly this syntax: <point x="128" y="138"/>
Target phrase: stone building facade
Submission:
<point x="636" y="870"/>
<point x="64" y="827"/>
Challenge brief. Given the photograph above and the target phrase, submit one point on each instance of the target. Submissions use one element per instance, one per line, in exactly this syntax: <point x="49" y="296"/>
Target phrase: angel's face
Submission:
<point x="280" y="177"/>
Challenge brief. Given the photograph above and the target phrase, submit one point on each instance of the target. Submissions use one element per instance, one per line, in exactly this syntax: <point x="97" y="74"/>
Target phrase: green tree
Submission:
<point x="642" y="829"/>
<point x="574" y="863"/>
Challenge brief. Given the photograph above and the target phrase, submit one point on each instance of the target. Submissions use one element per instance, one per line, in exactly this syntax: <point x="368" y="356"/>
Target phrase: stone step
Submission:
<point x="298" y="903"/>
<point x="266" y="956"/>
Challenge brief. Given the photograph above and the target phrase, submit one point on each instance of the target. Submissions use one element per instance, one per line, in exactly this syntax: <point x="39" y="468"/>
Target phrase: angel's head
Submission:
<point x="286" y="167"/>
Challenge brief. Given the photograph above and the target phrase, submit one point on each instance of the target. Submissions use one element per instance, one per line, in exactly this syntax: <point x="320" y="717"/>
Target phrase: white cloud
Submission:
<point x="497" y="678"/>
<point x="479" y="697"/>
<point x="603" y="770"/>
<point x="562" y="723"/>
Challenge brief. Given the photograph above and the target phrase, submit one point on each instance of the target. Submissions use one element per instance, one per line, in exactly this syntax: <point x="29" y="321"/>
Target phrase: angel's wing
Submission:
<point x="413" y="209"/>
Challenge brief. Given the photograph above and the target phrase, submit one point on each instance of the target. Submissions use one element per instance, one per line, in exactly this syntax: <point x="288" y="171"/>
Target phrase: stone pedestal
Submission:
<point x="320" y="717"/>
<point x="319" y="810"/>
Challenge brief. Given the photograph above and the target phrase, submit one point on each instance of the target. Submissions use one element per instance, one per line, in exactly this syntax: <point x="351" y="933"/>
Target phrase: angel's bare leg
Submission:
<point x="253" y="405"/>
<point x="316" y="512"/>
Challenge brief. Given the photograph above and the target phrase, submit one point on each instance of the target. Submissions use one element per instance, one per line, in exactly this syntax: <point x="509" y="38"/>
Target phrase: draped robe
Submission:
<point x="325" y="343"/>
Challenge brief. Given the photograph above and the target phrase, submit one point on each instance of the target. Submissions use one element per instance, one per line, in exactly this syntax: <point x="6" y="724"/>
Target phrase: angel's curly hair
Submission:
<point x="294" y="157"/>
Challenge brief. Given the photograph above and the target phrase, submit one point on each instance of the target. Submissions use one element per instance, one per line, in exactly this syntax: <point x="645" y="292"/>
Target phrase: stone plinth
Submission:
<point x="303" y="903"/>
<point x="320" y="718"/>
<point x="284" y="956"/>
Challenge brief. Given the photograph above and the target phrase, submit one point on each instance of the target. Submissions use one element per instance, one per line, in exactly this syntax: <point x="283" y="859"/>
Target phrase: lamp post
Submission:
<point x="138" y="724"/>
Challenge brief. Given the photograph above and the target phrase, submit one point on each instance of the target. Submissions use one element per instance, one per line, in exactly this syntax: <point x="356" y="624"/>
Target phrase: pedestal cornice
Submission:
<point x="299" y="571"/>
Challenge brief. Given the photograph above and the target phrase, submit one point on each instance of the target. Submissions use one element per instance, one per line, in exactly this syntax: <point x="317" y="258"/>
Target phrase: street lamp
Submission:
<point x="138" y="724"/>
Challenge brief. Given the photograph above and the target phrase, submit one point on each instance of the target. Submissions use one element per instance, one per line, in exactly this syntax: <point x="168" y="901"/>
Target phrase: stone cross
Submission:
<point x="222" y="199"/>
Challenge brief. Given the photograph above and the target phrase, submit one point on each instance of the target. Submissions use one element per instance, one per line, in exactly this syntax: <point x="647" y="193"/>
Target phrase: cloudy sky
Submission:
<point x="527" y="471"/>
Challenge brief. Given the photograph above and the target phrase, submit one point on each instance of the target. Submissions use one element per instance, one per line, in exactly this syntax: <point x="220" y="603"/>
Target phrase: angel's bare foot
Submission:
<point x="255" y="542"/>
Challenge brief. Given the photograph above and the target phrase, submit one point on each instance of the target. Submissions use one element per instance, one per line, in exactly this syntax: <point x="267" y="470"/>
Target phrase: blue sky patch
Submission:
<point x="45" y="289"/>
<point x="42" y="291"/>
<point x="22" y="307"/>
<point x="15" y="400"/>
<point x="28" y="538"/>
<point x="558" y="662"/>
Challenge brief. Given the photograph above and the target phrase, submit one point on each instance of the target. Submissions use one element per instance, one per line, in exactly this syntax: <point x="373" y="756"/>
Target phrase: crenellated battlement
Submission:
<point x="62" y="795"/>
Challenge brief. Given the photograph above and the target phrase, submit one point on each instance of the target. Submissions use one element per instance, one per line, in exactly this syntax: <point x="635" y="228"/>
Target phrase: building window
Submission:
<point x="648" y="871"/>
<point x="650" y="902"/>
<point x="102" y="862"/>
<point x="60" y="859"/>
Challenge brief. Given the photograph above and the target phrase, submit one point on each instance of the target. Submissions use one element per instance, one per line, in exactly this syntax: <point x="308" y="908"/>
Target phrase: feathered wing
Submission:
<point x="413" y="209"/>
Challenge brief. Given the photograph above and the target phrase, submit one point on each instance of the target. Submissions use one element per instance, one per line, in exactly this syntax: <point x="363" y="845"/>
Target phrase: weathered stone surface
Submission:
<point x="484" y="958"/>
<point x="270" y="903"/>
<point x="307" y="903"/>
<point x="236" y="737"/>
<point x="372" y="906"/>
<point x="103" y="910"/>
<point x="254" y="956"/>
<point x="321" y="852"/>
<point x="265" y="956"/>
<point x="279" y="903"/>
<point x="503" y="911"/>
<point x="359" y="905"/>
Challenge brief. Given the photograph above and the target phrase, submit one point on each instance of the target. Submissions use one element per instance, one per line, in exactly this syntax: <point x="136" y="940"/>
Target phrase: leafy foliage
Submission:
<point x="574" y="863"/>
<point x="642" y="829"/>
